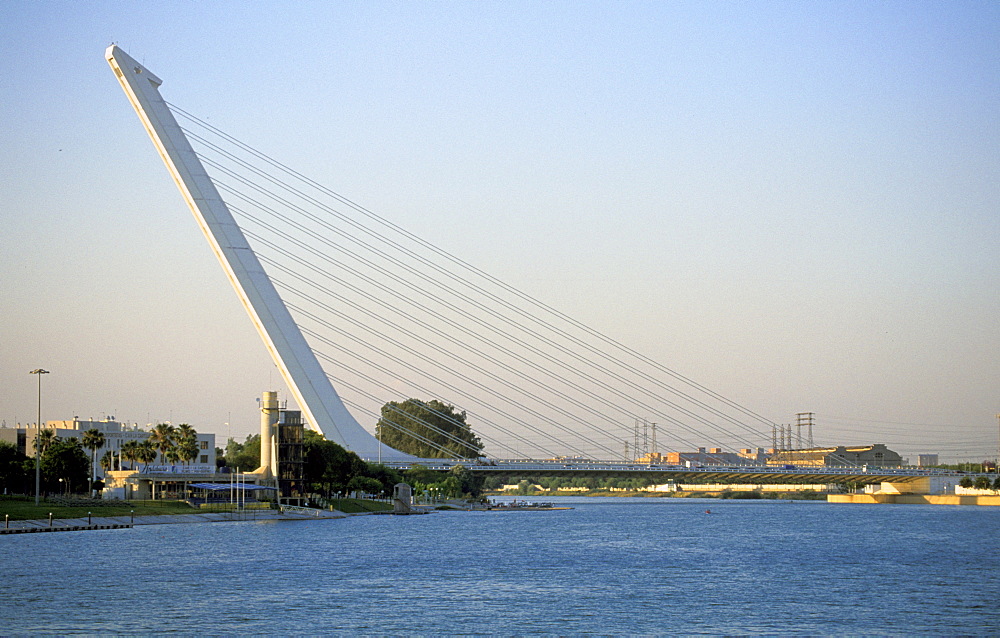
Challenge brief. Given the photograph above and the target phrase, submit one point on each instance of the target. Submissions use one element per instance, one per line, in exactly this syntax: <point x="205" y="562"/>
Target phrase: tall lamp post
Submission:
<point x="38" y="431"/>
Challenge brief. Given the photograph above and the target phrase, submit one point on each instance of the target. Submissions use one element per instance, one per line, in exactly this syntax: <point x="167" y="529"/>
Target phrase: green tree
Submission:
<point x="107" y="461"/>
<point x="982" y="483"/>
<point x="186" y="442"/>
<point x="966" y="482"/>
<point x="387" y="476"/>
<point x="66" y="460"/>
<point x="44" y="439"/>
<point x="470" y="483"/>
<point x="129" y="451"/>
<point x="13" y="477"/>
<point x="162" y="436"/>
<point x="172" y="455"/>
<point x="187" y="450"/>
<point x="493" y="483"/>
<point x="996" y="482"/>
<point x="450" y="486"/>
<point x="246" y="455"/>
<point x="329" y="468"/>
<point x="427" y="430"/>
<point x="145" y="452"/>
<point x="525" y="488"/>
<point x="364" y="484"/>
<point x="421" y="474"/>
<point x="93" y="440"/>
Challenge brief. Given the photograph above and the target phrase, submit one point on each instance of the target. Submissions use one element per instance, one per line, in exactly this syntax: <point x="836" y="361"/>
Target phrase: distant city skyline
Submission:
<point x="793" y="204"/>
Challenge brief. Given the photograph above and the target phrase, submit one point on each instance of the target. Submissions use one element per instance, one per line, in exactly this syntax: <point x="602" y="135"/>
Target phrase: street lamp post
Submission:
<point x="38" y="431"/>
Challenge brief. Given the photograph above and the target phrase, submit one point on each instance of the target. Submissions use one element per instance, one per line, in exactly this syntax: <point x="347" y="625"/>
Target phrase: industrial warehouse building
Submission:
<point x="877" y="455"/>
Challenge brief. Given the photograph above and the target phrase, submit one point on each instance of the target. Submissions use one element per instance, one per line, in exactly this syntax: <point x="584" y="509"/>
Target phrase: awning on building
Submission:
<point x="218" y="487"/>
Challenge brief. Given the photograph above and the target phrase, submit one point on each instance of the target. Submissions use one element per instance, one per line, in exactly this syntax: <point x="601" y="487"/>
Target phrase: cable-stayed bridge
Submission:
<point x="346" y="299"/>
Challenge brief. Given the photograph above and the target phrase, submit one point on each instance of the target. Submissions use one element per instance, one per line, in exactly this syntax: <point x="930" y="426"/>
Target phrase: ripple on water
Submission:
<point x="609" y="566"/>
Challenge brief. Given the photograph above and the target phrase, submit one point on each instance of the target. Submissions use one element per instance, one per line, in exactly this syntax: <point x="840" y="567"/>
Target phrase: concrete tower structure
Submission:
<point x="311" y="388"/>
<point x="268" y="419"/>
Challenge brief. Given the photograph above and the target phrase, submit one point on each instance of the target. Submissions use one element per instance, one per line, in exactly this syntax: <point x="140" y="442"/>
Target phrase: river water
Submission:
<point x="611" y="566"/>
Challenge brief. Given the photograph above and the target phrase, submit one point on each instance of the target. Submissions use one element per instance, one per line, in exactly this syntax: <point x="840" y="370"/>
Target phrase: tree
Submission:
<point x="387" y="476"/>
<point x="187" y="450"/>
<point x="470" y="483"/>
<point x="330" y="468"/>
<point x="66" y="460"/>
<point x="107" y="461"/>
<point x="982" y="483"/>
<point x="186" y="442"/>
<point x="421" y="474"/>
<point x="162" y="437"/>
<point x="996" y="483"/>
<point x="13" y="477"/>
<point x="185" y="431"/>
<point x="966" y="482"/>
<point x="429" y="429"/>
<point x="129" y="451"/>
<point x="172" y="455"/>
<point x="449" y="487"/>
<point x="364" y="484"/>
<point x="246" y="455"/>
<point x="145" y="452"/>
<point x="492" y="483"/>
<point x="93" y="440"/>
<point x="44" y="439"/>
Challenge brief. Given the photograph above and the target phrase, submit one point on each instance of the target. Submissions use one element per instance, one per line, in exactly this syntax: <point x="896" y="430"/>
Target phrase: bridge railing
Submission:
<point x="529" y="465"/>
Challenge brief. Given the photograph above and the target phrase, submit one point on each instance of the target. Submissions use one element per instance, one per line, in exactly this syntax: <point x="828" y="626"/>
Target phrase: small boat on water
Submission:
<point x="523" y="506"/>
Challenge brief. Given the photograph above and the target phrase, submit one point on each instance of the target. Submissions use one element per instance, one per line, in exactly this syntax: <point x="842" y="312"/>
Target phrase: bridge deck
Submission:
<point x="703" y="474"/>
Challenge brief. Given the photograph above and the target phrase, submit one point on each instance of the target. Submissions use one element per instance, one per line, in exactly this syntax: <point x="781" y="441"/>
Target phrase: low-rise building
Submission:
<point x="712" y="456"/>
<point x="876" y="455"/>
<point x="116" y="435"/>
<point x="927" y="460"/>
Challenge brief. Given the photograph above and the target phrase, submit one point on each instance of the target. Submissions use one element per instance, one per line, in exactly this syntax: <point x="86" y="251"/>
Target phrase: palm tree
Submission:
<point x="145" y="452"/>
<point x="172" y="455"/>
<point x="162" y="437"/>
<point x="187" y="442"/>
<point x="107" y="461"/>
<point x="43" y="440"/>
<point x="185" y="431"/>
<point x="129" y="450"/>
<point x="93" y="440"/>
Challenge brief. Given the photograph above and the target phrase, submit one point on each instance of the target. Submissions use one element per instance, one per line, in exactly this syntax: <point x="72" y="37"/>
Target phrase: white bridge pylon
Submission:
<point x="321" y="405"/>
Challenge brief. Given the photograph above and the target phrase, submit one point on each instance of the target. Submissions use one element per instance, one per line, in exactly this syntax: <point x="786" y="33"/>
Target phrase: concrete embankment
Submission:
<point x="914" y="499"/>
<point x="117" y="522"/>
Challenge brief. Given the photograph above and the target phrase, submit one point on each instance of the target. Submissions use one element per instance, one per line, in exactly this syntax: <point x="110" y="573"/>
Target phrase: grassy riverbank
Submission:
<point x="24" y="509"/>
<point x="20" y="508"/>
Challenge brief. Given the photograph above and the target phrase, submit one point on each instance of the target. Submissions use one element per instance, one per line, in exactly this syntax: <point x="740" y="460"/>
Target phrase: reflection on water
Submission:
<point x="609" y="566"/>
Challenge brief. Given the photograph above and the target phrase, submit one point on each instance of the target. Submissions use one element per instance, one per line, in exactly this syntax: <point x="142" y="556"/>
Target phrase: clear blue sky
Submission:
<point x="793" y="203"/>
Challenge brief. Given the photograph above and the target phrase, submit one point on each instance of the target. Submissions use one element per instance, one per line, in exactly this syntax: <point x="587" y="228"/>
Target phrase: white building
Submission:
<point x="115" y="435"/>
<point x="927" y="460"/>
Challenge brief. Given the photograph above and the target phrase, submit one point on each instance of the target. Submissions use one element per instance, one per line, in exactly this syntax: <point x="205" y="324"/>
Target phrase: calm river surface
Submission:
<point x="609" y="566"/>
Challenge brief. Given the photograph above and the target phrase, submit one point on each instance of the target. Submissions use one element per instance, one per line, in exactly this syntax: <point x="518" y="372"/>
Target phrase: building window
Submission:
<point x="204" y="446"/>
<point x="204" y="458"/>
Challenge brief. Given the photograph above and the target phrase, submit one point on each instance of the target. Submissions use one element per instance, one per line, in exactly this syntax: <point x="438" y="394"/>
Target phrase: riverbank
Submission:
<point x="113" y="522"/>
<point x="914" y="499"/>
<point x="20" y="513"/>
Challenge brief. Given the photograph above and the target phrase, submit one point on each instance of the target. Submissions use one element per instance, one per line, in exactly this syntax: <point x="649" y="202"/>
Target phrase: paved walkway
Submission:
<point x="107" y="522"/>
